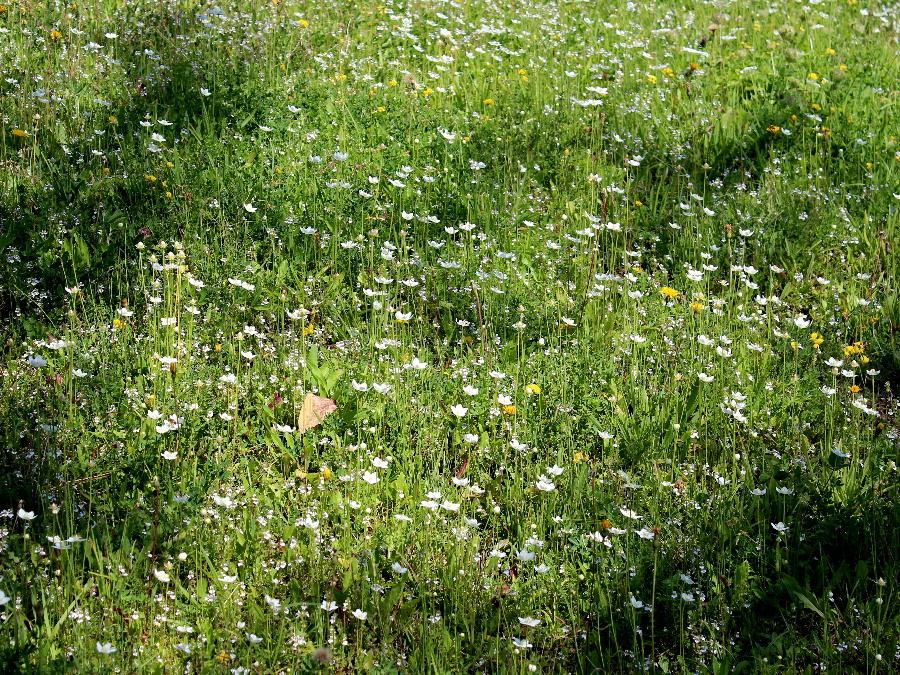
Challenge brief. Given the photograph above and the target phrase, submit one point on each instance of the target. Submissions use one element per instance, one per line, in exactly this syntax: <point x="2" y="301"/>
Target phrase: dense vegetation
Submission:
<point x="605" y="295"/>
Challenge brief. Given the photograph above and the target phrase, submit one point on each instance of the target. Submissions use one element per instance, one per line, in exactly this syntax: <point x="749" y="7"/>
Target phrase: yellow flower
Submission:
<point x="696" y="307"/>
<point x="854" y="389"/>
<point x="830" y="51"/>
<point x="509" y="409"/>
<point x="667" y="71"/>
<point x="55" y="35"/>
<point x="669" y="292"/>
<point x="19" y="133"/>
<point x="112" y="119"/>
<point x="864" y="359"/>
<point x="580" y="457"/>
<point x="326" y="473"/>
<point x="380" y="109"/>
<point x="428" y="91"/>
<point x="606" y="523"/>
<point x="303" y="23"/>
<point x="488" y="101"/>
<point x="308" y="329"/>
<point x="217" y="348"/>
<point x="651" y="79"/>
<point x="813" y="76"/>
<point x="3" y="9"/>
<point x="773" y="129"/>
<point x="150" y="178"/>
<point x="532" y="389"/>
<point x="117" y="324"/>
<point x="392" y="83"/>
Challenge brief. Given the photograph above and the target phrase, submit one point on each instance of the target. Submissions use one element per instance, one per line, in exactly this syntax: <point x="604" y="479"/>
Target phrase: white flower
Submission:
<point x="284" y="428"/>
<point x="329" y="605"/>
<point x="106" y="648"/>
<point x="274" y="603"/>
<point x="801" y="321"/>
<point x="529" y="621"/>
<point x="758" y="492"/>
<point x="170" y="455"/>
<point x="545" y="485"/>
<point x="784" y="490"/>
<point x="37" y="361"/>
<point x="703" y="377"/>
<point x="162" y="576"/>
<point x="470" y="390"/>
<point x="637" y="604"/>
<point x="459" y="410"/>
<point x="359" y="614"/>
<point x="449" y="506"/>
<point x="25" y="515"/>
<point x="4" y="598"/>
<point x="381" y="388"/>
<point x="628" y="513"/>
<point x="399" y="569"/>
<point x="644" y="533"/>
<point x="555" y="470"/>
<point x="249" y="208"/>
<point x="779" y="527"/>
<point x="502" y="399"/>
<point x="379" y="463"/>
<point x="470" y="438"/>
<point x="359" y="386"/>
<point x="253" y="639"/>
<point x="370" y="477"/>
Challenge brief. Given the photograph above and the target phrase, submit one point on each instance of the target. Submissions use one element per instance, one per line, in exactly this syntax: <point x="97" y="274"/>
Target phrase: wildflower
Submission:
<point x="459" y="410"/>
<point x="106" y="648"/>
<point x="27" y="516"/>
<point x="531" y="622"/>
<point x="360" y="614"/>
<point x="20" y="133"/>
<point x="532" y="389"/>
<point x="669" y="293"/>
<point x="509" y="409"/>
<point x="780" y="527"/>
<point x="4" y="598"/>
<point x="162" y="576"/>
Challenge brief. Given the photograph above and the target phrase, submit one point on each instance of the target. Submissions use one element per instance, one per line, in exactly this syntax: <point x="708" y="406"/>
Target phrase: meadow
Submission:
<point x="433" y="336"/>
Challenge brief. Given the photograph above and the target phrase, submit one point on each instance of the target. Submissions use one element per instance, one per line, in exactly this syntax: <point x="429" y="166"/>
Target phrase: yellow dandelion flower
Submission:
<point x="696" y="307"/>
<point x="20" y="133"/>
<point x="509" y="409"/>
<point x="532" y="389"/>
<point x="669" y="293"/>
<point x="488" y="101"/>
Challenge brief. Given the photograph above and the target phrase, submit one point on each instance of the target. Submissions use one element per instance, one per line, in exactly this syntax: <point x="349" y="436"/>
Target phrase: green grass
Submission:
<point x="606" y="295"/>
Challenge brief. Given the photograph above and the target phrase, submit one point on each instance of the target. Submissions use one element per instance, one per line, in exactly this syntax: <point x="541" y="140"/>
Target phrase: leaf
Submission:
<point x="315" y="409"/>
